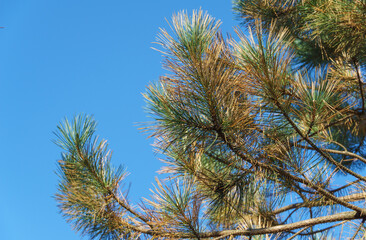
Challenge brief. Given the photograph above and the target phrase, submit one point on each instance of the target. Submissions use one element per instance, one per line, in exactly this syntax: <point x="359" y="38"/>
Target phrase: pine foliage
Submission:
<point x="263" y="133"/>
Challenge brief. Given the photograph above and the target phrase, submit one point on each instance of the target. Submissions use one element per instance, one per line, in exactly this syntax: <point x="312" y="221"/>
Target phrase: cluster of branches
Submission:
<point x="263" y="133"/>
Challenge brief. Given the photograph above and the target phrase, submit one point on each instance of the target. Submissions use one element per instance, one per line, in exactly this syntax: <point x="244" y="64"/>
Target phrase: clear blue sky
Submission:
<point x="61" y="58"/>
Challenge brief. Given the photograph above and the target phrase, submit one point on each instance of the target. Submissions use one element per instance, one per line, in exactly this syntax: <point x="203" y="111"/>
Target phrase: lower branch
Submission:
<point x="351" y="215"/>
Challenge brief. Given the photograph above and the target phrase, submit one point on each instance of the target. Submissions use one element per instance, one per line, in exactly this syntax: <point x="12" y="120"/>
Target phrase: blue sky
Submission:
<point x="61" y="58"/>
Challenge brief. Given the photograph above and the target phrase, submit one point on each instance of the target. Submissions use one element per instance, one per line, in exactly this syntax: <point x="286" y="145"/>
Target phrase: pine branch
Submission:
<point x="315" y="203"/>
<point x="345" y="153"/>
<point x="343" y="216"/>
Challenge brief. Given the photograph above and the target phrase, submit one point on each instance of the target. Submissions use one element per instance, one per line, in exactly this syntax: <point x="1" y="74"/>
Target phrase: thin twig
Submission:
<point x="358" y="229"/>
<point x="297" y="233"/>
<point x="360" y="86"/>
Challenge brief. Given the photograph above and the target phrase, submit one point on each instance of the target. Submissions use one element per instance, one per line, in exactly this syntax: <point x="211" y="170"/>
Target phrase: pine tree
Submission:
<point x="259" y="132"/>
